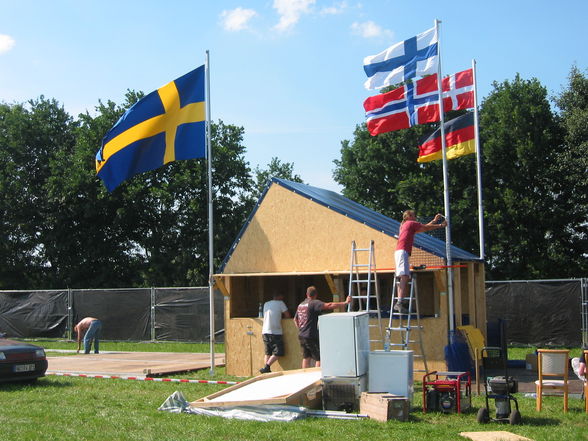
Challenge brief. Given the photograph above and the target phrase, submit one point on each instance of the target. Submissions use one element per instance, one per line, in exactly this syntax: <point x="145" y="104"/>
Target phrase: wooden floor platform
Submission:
<point x="131" y="363"/>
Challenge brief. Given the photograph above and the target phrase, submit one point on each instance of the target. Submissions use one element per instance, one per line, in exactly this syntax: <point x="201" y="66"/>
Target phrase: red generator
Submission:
<point x="447" y="391"/>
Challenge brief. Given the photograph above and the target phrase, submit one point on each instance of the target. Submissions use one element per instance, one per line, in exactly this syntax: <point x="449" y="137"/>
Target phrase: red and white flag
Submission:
<point x="418" y="102"/>
<point x="458" y="91"/>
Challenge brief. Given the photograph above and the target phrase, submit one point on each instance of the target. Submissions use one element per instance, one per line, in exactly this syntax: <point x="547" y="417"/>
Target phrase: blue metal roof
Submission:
<point x="358" y="212"/>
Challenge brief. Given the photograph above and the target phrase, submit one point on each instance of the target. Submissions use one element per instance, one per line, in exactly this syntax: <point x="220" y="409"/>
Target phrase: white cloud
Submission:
<point x="6" y="43"/>
<point x="369" y="29"/>
<point x="290" y="12"/>
<point x="237" y="19"/>
<point x="337" y="8"/>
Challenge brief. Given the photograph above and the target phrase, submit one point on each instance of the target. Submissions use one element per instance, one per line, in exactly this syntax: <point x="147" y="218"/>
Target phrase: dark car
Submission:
<point x="21" y="361"/>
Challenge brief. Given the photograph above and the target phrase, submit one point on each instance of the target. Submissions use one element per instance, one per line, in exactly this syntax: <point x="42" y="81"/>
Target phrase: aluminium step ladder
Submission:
<point x="407" y="322"/>
<point x="364" y="290"/>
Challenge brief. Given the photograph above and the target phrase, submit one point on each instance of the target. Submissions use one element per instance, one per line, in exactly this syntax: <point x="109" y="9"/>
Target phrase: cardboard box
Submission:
<point x="531" y="362"/>
<point x="383" y="407"/>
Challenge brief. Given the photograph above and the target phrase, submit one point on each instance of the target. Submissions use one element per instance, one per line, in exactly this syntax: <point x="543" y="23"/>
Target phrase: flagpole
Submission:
<point x="445" y="185"/>
<point x="478" y="166"/>
<point x="210" y="214"/>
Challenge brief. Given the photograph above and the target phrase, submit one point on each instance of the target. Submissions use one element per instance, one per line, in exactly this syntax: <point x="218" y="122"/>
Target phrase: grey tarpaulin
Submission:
<point x="537" y="313"/>
<point x="33" y="313"/>
<point x="177" y="403"/>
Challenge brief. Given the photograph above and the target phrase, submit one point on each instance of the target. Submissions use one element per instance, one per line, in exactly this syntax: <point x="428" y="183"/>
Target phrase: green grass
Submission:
<point x="64" y="408"/>
<point x="519" y="352"/>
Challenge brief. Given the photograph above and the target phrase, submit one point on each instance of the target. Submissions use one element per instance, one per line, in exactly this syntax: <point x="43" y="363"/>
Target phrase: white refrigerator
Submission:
<point x="344" y="344"/>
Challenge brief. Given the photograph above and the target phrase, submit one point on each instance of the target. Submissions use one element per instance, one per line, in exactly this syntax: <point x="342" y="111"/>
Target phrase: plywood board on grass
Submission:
<point x="500" y="435"/>
<point x="301" y="387"/>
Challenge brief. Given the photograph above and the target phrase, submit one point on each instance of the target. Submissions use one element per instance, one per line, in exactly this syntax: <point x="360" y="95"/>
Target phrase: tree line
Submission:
<point x="61" y="228"/>
<point x="535" y="179"/>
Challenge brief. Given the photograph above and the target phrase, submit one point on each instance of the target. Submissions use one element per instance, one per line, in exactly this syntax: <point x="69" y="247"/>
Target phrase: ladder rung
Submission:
<point x="362" y="281"/>
<point x="404" y="328"/>
<point x="361" y="265"/>
<point x="397" y="344"/>
<point x="362" y="249"/>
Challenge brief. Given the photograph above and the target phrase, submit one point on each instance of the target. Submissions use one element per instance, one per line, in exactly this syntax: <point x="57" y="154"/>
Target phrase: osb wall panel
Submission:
<point x="480" y="284"/>
<point x="246" y="353"/>
<point x="290" y="233"/>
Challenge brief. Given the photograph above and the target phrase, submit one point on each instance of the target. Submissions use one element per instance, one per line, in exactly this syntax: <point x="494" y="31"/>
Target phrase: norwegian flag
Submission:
<point x="418" y="102"/>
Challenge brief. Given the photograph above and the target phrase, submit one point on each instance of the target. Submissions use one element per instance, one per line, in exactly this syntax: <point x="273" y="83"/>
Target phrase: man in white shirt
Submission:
<point x="273" y="312"/>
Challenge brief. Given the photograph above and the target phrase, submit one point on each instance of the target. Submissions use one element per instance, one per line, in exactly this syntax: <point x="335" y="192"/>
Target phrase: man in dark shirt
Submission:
<point x="306" y="320"/>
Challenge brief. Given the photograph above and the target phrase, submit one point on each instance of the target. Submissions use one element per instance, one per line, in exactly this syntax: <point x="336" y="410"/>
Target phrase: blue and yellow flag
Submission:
<point x="166" y="125"/>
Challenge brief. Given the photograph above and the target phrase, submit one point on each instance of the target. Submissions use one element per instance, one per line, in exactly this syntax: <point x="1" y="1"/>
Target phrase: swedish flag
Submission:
<point x="166" y="125"/>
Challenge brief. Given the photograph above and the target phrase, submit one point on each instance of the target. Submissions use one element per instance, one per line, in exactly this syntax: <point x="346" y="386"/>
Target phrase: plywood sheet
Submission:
<point x="278" y="386"/>
<point x="500" y="435"/>
<point x="299" y="387"/>
<point x="131" y="363"/>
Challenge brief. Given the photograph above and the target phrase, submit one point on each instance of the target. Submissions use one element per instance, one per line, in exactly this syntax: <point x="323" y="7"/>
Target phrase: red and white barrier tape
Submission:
<point x="163" y="380"/>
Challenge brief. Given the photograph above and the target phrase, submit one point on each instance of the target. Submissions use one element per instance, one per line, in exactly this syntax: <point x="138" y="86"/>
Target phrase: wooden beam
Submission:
<point x="219" y="284"/>
<point x="457" y="301"/>
<point x="472" y="297"/>
<point x="331" y="283"/>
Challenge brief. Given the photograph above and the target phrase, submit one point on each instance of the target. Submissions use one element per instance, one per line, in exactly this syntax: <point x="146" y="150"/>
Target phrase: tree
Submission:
<point x="571" y="178"/>
<point x="277" y="169"/>
<point x="520" y="138"/>
<point x="31" y="134"/>
<point x="61" y="228"/>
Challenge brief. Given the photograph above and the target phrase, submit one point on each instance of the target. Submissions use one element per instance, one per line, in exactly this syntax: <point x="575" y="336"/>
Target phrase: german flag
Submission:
<point x="459" y="140"/>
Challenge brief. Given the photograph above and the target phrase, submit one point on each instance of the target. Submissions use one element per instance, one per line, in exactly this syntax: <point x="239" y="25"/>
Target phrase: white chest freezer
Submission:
<point x="391" y="372"/>
<point x="344" y="343"/>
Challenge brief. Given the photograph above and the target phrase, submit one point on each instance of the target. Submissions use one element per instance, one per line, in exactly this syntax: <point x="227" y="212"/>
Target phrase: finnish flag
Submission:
<point x="416" y="56"/>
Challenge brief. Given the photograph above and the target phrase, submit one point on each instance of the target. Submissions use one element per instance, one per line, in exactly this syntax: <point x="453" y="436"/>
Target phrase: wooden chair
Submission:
<point x="552" y="363"/>
<point x="476" y="342"/>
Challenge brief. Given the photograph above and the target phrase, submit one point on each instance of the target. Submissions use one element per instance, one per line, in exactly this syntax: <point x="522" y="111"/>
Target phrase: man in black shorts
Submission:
<point x="273" y="312"/>
<point x="306" y="319"/>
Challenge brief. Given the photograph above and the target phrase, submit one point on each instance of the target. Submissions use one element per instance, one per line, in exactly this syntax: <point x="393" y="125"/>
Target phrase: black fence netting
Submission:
<point x="125" y="313"/>
<point x="171" y="314"/>
<point x="178" y="316"/>
<point x="537" y="313"/>
<point x="33" y="313"/>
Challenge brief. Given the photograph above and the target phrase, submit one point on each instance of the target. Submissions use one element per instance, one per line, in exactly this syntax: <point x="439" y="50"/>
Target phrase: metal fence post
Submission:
<point x="152" y="314"/>
<point x="69" y="314"/>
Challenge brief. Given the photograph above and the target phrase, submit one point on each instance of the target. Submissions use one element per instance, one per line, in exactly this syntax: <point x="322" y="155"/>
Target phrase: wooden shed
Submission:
<point x="299" y="235"/>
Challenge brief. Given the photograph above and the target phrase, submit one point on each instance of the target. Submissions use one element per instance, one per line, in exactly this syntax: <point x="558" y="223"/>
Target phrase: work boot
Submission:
<point x="401" y="306"/>
<point x="265" y="369"/>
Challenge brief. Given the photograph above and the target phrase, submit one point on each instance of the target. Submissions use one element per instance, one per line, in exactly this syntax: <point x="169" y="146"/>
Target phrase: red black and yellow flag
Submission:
<point x="459" y="140"/>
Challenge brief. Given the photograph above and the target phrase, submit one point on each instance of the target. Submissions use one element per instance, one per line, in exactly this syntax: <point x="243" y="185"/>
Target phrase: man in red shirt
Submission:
<point x="408" y="228"/>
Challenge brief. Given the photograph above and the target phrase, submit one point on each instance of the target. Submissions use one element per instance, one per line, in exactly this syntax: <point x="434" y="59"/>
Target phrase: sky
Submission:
<point x="290" y="72"/>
